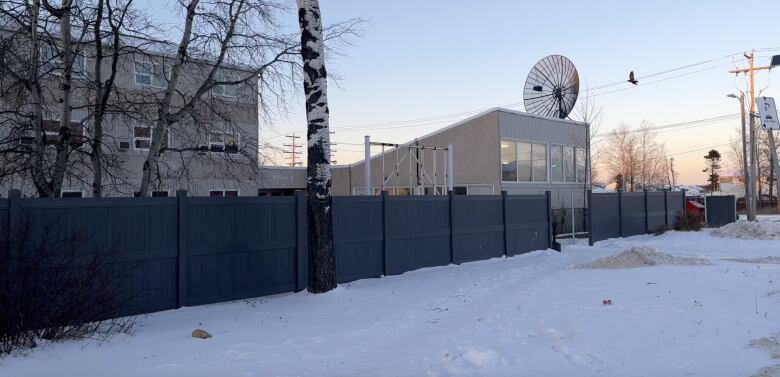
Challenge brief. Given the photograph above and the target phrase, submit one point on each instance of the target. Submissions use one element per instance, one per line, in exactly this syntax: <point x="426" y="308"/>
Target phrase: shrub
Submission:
<point x="57" y="287"/>
<point x="690" y="221"/>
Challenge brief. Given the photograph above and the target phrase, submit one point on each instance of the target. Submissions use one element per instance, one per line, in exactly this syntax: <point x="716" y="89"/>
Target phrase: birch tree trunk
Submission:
<point x="163" y="117"/>
<point x="322" y="261"/>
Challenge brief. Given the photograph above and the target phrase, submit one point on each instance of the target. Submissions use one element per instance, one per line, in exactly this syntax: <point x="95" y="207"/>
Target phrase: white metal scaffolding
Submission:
<point x="420" y="175"/>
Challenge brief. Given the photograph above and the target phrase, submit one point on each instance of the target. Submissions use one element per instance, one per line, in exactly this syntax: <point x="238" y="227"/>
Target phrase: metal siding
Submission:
<point x="674" y="206"/>
<point x="358" y="237"/>
<point x="656" y="214"/>
<point x="527" y="127"/>
<point x="478" y="228"/>
<point x="605" y="216"/>
<point x="720" y="210"/>
<point x="633" y="213"/>
<point x="418" y="232"/>
<point x="526" y="223"/>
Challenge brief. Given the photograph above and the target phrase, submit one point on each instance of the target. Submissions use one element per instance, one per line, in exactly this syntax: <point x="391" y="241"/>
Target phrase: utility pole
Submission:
<point x="746" y="176"/>
<point x="671" y="168"/>
<point x="293" y="152"/>
<point x="750" y="71"/>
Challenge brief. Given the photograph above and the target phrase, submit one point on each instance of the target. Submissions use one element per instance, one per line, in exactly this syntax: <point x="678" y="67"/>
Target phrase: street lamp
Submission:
<point x="749" y="200"/>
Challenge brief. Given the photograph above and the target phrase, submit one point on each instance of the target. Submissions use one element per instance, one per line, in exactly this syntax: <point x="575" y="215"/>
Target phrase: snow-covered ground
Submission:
<point x="530" y="315"/>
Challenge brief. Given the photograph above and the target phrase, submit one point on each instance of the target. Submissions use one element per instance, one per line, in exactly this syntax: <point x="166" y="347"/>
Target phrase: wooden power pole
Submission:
<point x="293" y="152"/>
<point x="750" y="71"/>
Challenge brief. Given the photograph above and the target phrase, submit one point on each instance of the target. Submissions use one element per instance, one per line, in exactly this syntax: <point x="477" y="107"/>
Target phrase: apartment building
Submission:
<point x="211" y="151"/>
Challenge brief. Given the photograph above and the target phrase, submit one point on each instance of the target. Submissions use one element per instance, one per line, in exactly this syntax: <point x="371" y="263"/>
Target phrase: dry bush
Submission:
<point x="690" y="221"/>
<point x="58" y="287"/>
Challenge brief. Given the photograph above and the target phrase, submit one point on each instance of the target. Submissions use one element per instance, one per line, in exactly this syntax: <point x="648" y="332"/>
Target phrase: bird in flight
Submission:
<point x="631" y="78"/>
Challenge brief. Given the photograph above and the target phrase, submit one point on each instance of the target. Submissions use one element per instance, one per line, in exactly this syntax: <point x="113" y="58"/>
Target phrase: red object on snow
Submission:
<point x="606" y="302"/>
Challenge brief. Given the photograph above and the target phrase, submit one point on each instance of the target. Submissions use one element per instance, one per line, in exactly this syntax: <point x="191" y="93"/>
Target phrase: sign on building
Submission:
<point x="768" y="113"/>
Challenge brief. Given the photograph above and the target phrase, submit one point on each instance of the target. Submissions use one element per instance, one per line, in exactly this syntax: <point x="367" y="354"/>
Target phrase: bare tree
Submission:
<point x="322" y="263"/>
<point x="637" y="157"/>
<point x="591" y="113"/>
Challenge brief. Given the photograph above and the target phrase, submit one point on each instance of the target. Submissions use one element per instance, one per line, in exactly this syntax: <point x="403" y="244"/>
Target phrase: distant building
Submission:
<point x="494" y="151"/>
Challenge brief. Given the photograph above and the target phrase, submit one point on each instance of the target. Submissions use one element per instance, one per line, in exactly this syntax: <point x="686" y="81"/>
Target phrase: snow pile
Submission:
<point x="641" y="256"/>
<point x="775" y="260"/>
<point x="771" y="344"/>
<point x="746" y="230"/>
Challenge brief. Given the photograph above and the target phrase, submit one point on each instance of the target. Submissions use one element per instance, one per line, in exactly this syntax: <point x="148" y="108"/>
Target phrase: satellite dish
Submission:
<point x="551" y="87"/>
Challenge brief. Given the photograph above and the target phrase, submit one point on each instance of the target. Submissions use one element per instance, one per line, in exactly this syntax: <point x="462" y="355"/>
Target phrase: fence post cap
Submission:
<point x="181" y="193"/>
<point x="14" y="194"/>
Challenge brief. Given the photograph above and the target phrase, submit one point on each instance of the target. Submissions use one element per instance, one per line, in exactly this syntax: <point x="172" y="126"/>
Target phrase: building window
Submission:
<point x="151" y="74"/>
<point x="223" y="193"/>
<point x="51" y="61"/>
<point x="556" y="163"/>
<point x="223" y="142"/>
<point x="71" y="194"/>
<point x="160" y="194"/>
<point x="226" y="90"/>
<point x="582" y="157"/>
<point x="508" y="161"/>
<point x="142" y="137"/>
<point x="540" y="162"/>
<point x="524" y="162"/>
<point x="568" y="164"/>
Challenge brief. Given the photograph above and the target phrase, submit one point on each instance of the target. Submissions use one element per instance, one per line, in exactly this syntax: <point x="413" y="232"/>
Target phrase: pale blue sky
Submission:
<point x="422" y="59"/>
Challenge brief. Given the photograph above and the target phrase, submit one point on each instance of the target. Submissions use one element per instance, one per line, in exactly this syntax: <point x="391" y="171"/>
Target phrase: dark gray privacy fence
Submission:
<point x="178" y="251"/>
<point x="387" y="235"/>
<point x="621" y="214"/>
<point x="184" y="251"/>
<point x="720" y="210"/>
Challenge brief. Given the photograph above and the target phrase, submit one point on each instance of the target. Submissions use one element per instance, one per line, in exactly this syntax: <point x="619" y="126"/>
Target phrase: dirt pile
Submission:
<point x="641" y="256"/>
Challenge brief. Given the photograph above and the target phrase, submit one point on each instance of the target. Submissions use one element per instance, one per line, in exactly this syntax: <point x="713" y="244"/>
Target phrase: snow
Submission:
<point x="531" y="315"/>
<point x="768" y="229"/>
<point x="641" y="256"/>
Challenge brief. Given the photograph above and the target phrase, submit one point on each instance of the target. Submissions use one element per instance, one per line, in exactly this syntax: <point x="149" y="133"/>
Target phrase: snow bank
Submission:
<point x="771" y="259"/>
<point x="746" y="230"/>
<point x="771" y="344"/>
<point x="641" y="256"/>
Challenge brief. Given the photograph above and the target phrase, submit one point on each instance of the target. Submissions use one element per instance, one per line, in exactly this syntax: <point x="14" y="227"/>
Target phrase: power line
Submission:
<point x="409" y="122"/>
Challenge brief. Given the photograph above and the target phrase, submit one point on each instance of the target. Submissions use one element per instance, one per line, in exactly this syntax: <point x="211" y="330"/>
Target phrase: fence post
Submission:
<point x="14" y="218"/>
<point x="301" y="242"/>
<point x="506" y="223"/>
<point x="620" y="213"/>
<point x="181" y="222"/>
<point x="684" y="207"/>
<point x="385" y="229"/>
<point x="590" y="217"/>
<point x="550" y="237"/>
<point x="452" y="227"/>
<point x="647" y="215"/>
<point x="666" y="208"/>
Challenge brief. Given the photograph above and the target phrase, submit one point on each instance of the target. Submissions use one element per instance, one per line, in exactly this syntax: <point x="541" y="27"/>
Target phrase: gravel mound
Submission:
<point x="746" y="230"/>
<point x="641" y="256"/>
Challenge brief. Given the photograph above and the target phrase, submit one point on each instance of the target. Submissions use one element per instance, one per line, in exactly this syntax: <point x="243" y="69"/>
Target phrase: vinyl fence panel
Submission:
<point x="358" y="237"/>
<point x="239" y="248"/>
<point x="418" y="232"/>
<point x="527" y="224"/>
<point x="478" y="227"/>
<point x="632" y="207"/>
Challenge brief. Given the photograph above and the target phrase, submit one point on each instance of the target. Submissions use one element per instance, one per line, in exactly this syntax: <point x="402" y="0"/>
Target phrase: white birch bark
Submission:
<point x="322" y="265"/>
